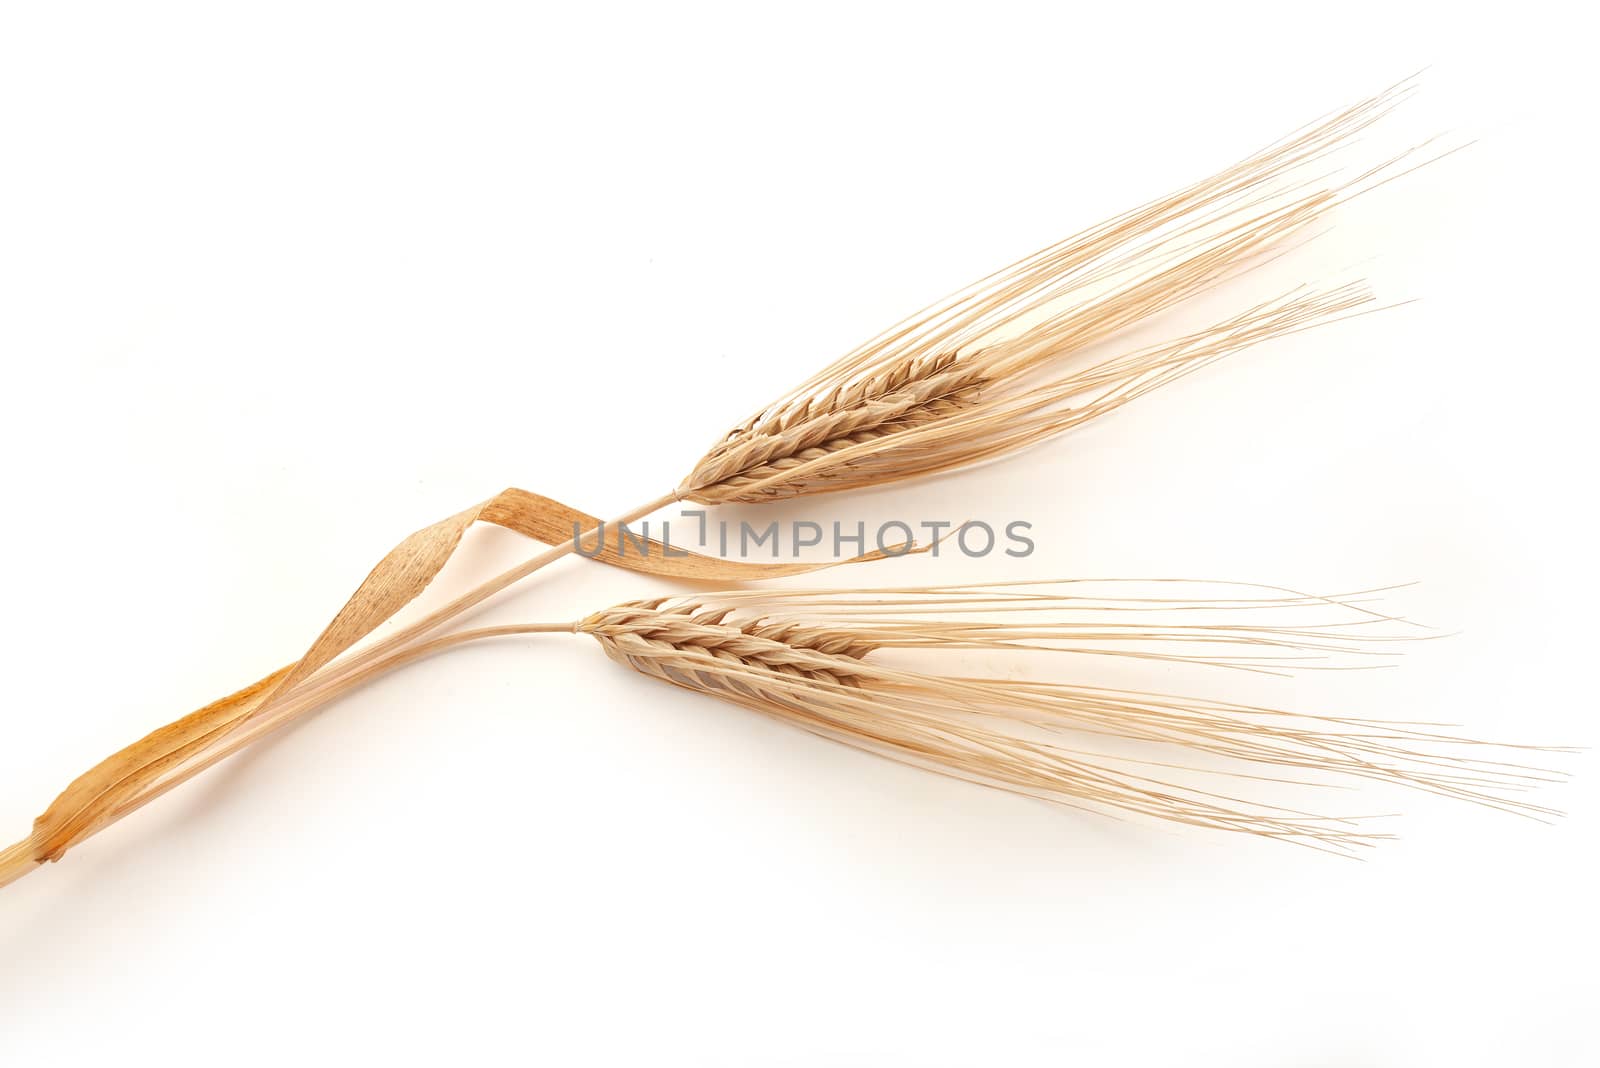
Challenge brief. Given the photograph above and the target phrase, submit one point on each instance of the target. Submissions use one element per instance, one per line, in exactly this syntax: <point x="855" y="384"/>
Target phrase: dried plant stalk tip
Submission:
<point x="989" y="370"/>
<point x="806" y="657"/>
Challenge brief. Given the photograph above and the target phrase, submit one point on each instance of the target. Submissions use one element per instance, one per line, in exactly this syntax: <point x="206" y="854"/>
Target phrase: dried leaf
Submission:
<point x="123" y="781"/>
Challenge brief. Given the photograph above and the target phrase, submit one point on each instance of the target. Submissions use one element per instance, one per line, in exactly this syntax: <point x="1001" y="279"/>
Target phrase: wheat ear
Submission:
<point x="810" y="661"/>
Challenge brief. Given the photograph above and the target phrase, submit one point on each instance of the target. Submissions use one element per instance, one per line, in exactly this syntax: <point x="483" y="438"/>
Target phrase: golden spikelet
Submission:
<point x="807" y="658"/>
<point x="990" y="369"/>
<point x="959" y="417"/>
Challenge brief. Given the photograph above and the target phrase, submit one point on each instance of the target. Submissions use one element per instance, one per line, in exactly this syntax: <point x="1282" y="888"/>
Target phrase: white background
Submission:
<point x="281" y="283"/>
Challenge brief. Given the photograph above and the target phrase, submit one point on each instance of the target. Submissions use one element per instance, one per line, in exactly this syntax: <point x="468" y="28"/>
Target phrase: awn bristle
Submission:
<point x="989" y="370"/>
<point x="808" y="658"/>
